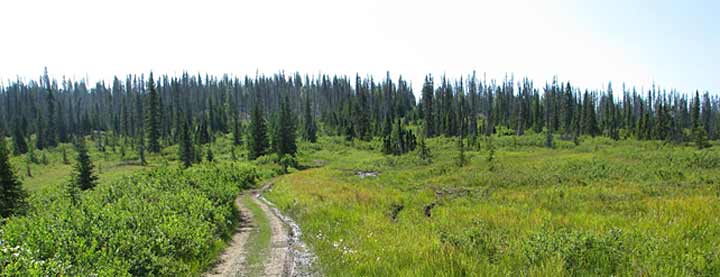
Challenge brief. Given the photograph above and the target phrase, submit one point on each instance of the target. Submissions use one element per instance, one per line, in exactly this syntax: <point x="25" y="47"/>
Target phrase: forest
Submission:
<point x="152" y="174"/>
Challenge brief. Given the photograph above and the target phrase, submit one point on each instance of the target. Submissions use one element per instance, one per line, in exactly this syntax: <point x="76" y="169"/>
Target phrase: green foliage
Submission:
<point x="310" y="126"/>
<point x="167" y="222"/>
<point x="700" y="137"/>
<point x="12" y="194"/>
<point x="84" y="177"/>
<point x="20" y="146"/>
<point x="257" y="141"/>
<point x="400" y="141"/>
<point x="461" y="160"/>
<point x="210" y="156"/>
<point x="285" y="131"/>
<point x="605" y="207"/>
<point x="423" y="151"/>
<point x="186" y="149"/>
<point x="153" y="117"/>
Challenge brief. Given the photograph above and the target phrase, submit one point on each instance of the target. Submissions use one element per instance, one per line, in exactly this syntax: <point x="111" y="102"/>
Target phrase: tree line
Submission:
<point x="151" y="112"/>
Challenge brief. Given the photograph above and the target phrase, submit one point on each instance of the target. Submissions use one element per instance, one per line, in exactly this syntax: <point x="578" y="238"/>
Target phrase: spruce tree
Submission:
<point x="203" y="134"/>
<point x="12" y="195"/>
<point x="286" y="130"/>
<point x="65" y="157"/>
<point x="310" y="128"/>
<point x="153" y="117"/>
<point x="427" y="102"/>
<point x="461" y="160"/>
<point x="257" y="140"/>
<point x="237" y="132"/>
<point x="423" y="150"/>
<point x="695" y="111"/>
<point x="51" y="130"/>
<point x="85" y="177"/>
<point x="141" y="148"/>
<point x="210" y="156"/>
<point x="19" y="144"/>
<point x="361" y="120"/>
<point x="186" y="146"/>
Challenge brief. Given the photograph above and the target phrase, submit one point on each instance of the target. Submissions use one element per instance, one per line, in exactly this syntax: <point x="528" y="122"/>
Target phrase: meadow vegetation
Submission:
<point x="157" y="221"/>
<point x="602" y="207"/>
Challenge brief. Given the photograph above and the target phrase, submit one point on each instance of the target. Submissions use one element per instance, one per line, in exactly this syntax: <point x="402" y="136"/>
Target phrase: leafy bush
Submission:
<point x="165" y="222"/>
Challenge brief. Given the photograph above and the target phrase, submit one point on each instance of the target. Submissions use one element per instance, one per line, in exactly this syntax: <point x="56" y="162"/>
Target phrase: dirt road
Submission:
<point x="287" y="255"/>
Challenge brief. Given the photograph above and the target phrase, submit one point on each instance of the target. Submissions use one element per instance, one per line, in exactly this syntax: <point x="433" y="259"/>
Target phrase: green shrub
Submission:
<point x="168" y="222"/>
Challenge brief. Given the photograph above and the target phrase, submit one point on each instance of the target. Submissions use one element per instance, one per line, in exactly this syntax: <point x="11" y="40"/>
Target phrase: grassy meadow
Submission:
<point x="600" y="208"/>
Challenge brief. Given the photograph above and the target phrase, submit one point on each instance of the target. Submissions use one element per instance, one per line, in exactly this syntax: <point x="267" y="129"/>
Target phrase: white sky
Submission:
<point x="100" y="39"/>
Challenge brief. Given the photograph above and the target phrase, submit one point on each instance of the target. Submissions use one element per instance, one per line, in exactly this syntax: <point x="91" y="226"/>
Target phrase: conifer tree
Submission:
<point x="695" y="111"/>
<point x="40" y="141"/>
<point x="210" y="156"/>
<point x="423" y="150"/>
<point x="203" y="134"/>
<point x="361" y="111"/>
<point x="310" y="128"/>
<point x="427" y="102"/>
<point x="12" y="195"/>
<point x="141" y="148"/>
<point x="237" y="132"/>
<point x="65" y="157"/>
<point x="257" y="136"/>
<point x="51" y="131"/>
<point x="461" y="161"/>
<point x="85" y="177"/>
<point x="186" y="146"/>
<point x="286" y="130"/>
<point x="19" y="144"/>
<point x="153" y="117"/>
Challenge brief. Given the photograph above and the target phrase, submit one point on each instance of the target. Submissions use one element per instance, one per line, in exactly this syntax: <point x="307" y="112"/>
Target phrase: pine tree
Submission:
<point x="153" y="117"/>
<point x="461" y="161"/>
<point x="210" y="156"/>
<point x="286" y="130"/>
<point x="423" y="150"/>
<point x="65" y="159"/>
<point x="310" y="129"/>
<point x="20" y="146"/>
<point x="237" y="132"/>
<point x="361" y="111"/>
<point x="491" y="153"/>
<point x="186" y="146"/>
<point x="427" y="102"/>
<point x="141" y="148"/>
<point x="12" y="195"/>
<point x="549" y="140"/>
<point x="589" y="118"/>
<point x="84" y="177"/>
<point x="349" y="131"/>
<point x="695" y="111"/>
<point x="51" y="130"/>
<point x="40" y="141"/>
<point x="700" y="137"/>
<point x="203" y="134"/>
<point x="257" y="137"/>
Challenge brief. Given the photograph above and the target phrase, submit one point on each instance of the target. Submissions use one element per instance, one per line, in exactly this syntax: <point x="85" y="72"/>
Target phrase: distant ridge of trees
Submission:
<point x="153" y="112"/>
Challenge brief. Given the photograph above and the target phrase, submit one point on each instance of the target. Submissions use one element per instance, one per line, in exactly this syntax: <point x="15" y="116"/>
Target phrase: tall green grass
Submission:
<point x="600" y="208"/>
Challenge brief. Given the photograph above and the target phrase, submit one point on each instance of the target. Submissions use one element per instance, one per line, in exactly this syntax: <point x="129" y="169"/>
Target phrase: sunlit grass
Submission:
<point x="601" y="208"/>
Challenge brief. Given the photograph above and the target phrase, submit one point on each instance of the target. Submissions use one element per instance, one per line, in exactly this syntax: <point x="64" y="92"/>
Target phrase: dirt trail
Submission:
<point x="287" y="256"/>
<point x="232" y="261"/>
